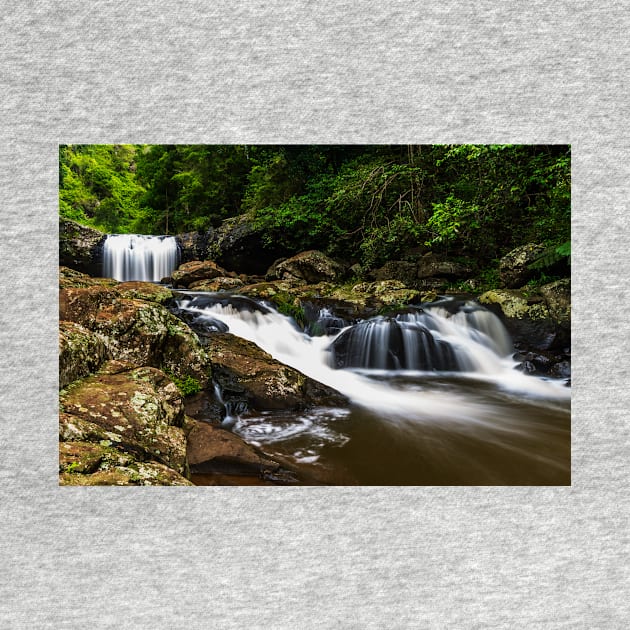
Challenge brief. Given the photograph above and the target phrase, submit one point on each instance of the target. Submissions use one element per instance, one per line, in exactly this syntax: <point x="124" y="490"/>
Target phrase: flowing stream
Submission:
<point x="434" y="397"/>
<point x="139" y="257"/>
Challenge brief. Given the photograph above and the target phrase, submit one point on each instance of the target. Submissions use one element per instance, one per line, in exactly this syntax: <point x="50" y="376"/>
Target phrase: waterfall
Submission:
<point x="139" y="257"/>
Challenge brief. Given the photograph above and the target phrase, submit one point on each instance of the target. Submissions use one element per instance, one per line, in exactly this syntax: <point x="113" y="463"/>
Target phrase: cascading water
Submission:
<point x="438" y="382"/>
<point x="139" y="257"/>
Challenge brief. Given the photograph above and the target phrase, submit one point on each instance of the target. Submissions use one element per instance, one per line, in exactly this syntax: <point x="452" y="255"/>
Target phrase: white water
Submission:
<point x="477" y="339"/>
<point x="139" y="257"/>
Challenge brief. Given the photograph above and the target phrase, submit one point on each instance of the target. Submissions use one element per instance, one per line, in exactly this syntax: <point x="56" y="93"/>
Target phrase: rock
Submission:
<point x="402" y="271"/>
<point x="562" y="369"/>
<point x="143" y="333"/>
<point x="218" y="284"/>
<point x="212" y="449"/>
<point x="70" y="278"/>
<point x="431" y="267"/>
<point x="132" y="474"/>
<point x="310" y="267"/>
<point x="143" y="406"/>
<point x="196" y="270"/>
<point x="514" y="267"/>
<point x="272" y="272"/>
<point x="144" y="291"/>
<point x="527" y="319"/>
<point x="239" y="246"/>
<point x="266" y="383"/>
<point x="194" y="245"/>
<point x="81" y="352"/>
<point x="426" y="272"/>
<point x="558" y="298"/>
<point x="80" y="247"/>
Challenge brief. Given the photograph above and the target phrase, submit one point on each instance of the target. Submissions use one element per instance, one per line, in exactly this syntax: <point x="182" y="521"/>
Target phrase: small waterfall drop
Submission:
<point x="139" y="257"/>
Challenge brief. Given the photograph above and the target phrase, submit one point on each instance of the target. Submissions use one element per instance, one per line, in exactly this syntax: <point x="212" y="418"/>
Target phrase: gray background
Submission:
<point x="343" y="72"/>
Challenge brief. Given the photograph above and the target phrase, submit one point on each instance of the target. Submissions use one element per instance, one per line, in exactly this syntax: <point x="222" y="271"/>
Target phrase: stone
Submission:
<point x="147" y="291"/>
<point x="143" y="407"/>
<point x="70" y="278"/>
<point x="141" y="332"/>
<point x="238" y="245"/>
<point x="265" y="383"/>
<point x="133" y="474"/>
<point x="310" y="267"/>
<point x="514" y="269"/>
<point x="212" y="449"/>
<point x="196" y="270"/>
<point x="217" y="284"/>
<point x="194" y="245"/>
<point x="80" y="247"/>
<point x="81" y="352"/>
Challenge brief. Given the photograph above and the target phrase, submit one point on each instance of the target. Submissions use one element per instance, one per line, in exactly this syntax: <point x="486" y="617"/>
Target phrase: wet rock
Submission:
<point x="527" y="319"/>
<point x="143" y="407"/>
<point x="212" y="449"/>
<point x="195" y="271"/>
<point x="562" y="369"/>
<point x="310" y="267"/>
<point x="267" y="383"/>
<point x="514" y="267"/>
<point x="80" y="247"/>
<point x="81" y="352"/>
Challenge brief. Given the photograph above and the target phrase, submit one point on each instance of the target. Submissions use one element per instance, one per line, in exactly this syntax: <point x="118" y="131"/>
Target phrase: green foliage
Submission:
<point x="366" y="204"/>
<point x="287" y="304"/>
<point x="98" y="186"/>
<point x="187" y="385"/>
<point x="552" y="255"/>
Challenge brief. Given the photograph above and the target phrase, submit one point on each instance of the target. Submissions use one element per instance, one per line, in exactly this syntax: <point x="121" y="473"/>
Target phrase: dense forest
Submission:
<point x="364" y="203"/>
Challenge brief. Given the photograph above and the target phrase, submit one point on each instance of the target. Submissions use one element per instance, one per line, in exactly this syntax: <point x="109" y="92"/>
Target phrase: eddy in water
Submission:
<point x="435" y="398"/>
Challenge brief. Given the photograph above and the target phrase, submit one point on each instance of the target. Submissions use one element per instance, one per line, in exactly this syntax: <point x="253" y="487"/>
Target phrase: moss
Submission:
<point x="290" y="306"/>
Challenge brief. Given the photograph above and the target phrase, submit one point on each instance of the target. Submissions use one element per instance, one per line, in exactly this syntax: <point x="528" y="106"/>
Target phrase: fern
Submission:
<point x="552" y="255"/>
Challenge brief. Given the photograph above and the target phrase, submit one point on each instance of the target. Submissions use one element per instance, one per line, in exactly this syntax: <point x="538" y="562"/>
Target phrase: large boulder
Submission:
<point x="195" y="271"/>
<point x="80" y="247"/>
<point x="142" y="406"/>
<point x="81" y="352"/>
<point x="139" y="331"/>
<point x="242" y="368"/>
<point x="239" y="246"/>
<point x="309" y="267"/>
<point x="514" y="268"/>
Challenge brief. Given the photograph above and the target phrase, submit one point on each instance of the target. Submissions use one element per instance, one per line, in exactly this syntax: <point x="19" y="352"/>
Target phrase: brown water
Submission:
<point x="519" y="441"/>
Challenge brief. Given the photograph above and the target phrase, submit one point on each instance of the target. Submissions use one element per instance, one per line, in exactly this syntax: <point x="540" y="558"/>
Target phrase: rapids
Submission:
<point x="435" y="398"/>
